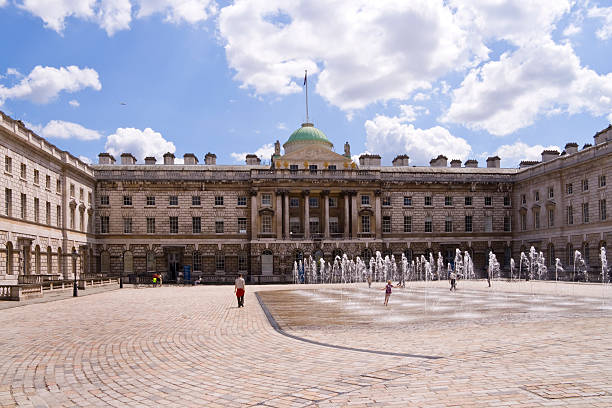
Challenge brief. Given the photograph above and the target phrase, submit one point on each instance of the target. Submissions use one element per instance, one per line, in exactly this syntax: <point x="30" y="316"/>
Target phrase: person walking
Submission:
<point x="387" y="290"/>
<point x="239" y="290"/>
<point x="489" y="276"/>
<point x="369" y="281"/>
<point x="453" y="281"/>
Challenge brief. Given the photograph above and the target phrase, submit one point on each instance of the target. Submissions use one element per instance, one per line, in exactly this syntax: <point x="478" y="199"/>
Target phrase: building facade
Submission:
<point x="62" y="216"/>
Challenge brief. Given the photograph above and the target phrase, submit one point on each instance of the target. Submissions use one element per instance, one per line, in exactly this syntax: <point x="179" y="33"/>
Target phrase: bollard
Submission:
<point x="75" y="289"/>
<point x="121" y="282"/>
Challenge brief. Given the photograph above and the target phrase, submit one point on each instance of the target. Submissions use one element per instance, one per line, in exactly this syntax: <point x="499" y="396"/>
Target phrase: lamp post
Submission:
<point x="75" y="288"/>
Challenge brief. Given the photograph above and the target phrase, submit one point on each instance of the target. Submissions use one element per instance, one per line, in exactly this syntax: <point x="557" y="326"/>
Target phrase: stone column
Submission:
<point x="326" y="213"/>
<point x="355" y="228"/>
<point x="378" y="214"/>
<point x="346" y="215"/>
<point x="279" y="215"/>
<point x="306" y="195"/>
<point x="286" y="214"/>
<point x="254" y="228"/>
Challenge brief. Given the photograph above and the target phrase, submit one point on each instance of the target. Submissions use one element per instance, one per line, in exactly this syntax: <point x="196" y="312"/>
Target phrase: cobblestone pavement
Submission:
<point x="191" y="346"/>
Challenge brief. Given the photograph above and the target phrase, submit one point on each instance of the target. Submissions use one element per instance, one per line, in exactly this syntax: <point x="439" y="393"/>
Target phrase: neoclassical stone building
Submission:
<point x="62" y="216"/>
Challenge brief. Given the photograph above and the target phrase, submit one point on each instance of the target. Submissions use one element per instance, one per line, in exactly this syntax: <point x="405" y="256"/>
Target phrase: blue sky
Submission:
<point x="465" y="78"/>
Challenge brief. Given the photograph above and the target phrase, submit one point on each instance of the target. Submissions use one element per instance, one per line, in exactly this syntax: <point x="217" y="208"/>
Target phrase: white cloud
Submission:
<point x="264" y="153"/>
<point x="392" y="136"/>
<point x="116" y="15"/>
<point x="68" y="130"/>
<point x="44" y="84"/>
<point x="409" y="113"/>
<point x="512" y="154"/>
<point x="571" y="30"/>
<point x="3" y="3"/>
<point x="85" y="159"/>
<point x="74" y="103"/>
<point x="543" y="78"/>
<point x="605" y="13"/>
<point x="362" y="51"/>
<point x="141" y="143"/>
<point x="13" y="72"/>
<point x="421" y="97"/>
<point x="281" y="126"/>
<point x="178" y="11"/>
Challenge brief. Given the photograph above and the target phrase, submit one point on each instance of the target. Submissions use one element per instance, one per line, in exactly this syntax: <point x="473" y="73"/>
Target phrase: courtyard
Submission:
<point x="517" y="344"/>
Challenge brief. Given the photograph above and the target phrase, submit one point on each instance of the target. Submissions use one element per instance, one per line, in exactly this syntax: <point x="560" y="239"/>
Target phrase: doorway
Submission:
<point x="173" y="266"/>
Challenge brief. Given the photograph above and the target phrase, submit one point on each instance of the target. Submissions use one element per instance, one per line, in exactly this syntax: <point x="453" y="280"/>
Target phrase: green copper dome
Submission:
<point x="308" y="133"/>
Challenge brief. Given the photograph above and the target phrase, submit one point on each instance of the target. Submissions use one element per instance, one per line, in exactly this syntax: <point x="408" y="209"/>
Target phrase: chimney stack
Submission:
<point x="527" y="163"/>
<point x="456" y="163"/>
<point x="471" y="163"/>
<point x="494" y="162"/>
<point x="369" y="160"/>
<point x="401" y="160"/>
<point x="168" y="158"/>
<point x="571" y="148"/>
<point x="440" y="161"/>
<point x="190" y="158"/>
<point x="210" y="158"/>
<point x="252" y="160"/>
<point x="548" y="155"/>
<point x="604" y="135"/>
<point x="150" y="160"/>
<point x="106" y="158"/>
<point x="128" y="158"/>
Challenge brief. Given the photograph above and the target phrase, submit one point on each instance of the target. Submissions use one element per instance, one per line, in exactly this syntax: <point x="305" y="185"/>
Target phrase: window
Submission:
<point x="72" y="218"/>
<point x="507" y="224"/>
<point x="468" y="223"/>
<point x="333" y="202"/>
<point x="488" y="201"/>
<point x="507" y="201"/>
<point x="468" y="201"/>
<point x="569" y="188"/>
<point x="488" y="223"/>
<point x="407" y="223"/>
<point x="150" y="200"/>
<point x="312" y="168"/>
<point x="150" y="225"/>
<point x="196" y="225"/>
<point x="8" y="202"/>
<point x="551" y="192"/>
<point x="536" y="195"/>
<point x="266" y="199"/>
<point x="585" y="212"/>
<point x="293" y="168"/>
<point x="448" y="201"/>
<point x="569" y="254"/>
<point x="71" y="190"/>
<point x="241" y="201"/>
<point x="407" y="201"/>
<point x="536" y="219"/>
<point x="127" y="225"/>
<point x="58" y="215"/>
<point x="219" y="263"/>
<point x="428" y="200"/>
<point x="195" y="201"/>
<point x="58" y="186"/>
<point x="523" y="221"/>
<point x="197" y="261"/>
<point x="294" y="202"/>
<point x="313" y="202"/>
<point x="386" y="201"/>
<point x="331" y="167"/>
<point x="570" y="215"/>
<point x="23" y="171"/>
<point x="8" y="164"/>
<point x="242" y="225"/>
<point x="333" y="225"/>
<point x="551" y="255"/>
<point x="89" y="197"/>
<point x="585" y="253"/>
<point x="314" y="225"/>
<point x="127" y="200"/>
<point x="173" y="200"/>
<point x="428" y="224"/>
<point x="81" y="194"/>
<point x="585" y="185"/>
<point x="448" y="224"/>
<point x="82" y="220"/>
<point x="24" y="206"/>
<point x="266" y="224"/>
<point x="386" y="223"/>
<point x="365" y="200"/>
<point x="294" y="225"/>
<point x="36" y="210"/>
<point x="104" y="200"/>
<point x="365" y="223"/>
<point x="602" y="180"/>
<point x="242" y="262"/>
<point x="104" y="224"/>
<point x="48" y="182"/>
<point x="602" y="210"/>
<point x="48" y="213"/>
<point x="551" y="217"/>
<point x="36" y="177"/>
<point x="219" y="227"/>
<point x="523" y="199"/>
<point x="174" y="225"/>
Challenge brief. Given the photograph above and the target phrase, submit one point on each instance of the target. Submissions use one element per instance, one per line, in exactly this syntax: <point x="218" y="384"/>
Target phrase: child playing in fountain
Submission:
<point x="387" y="290"/>
<point x="453" y="281"/>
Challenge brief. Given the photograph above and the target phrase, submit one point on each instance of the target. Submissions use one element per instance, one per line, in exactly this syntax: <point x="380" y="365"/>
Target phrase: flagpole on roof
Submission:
<point x="306" y="85"/>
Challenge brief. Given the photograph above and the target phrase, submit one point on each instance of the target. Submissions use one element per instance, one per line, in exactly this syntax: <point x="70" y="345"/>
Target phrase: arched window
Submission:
<point x="219" y="262"/>
<point x="9" y="258"/>
<point x="37" y="259"/>
<point x="151" y="261"/>
<point x="60" y="262"/>
<point x="197" y="261"/>
<point x="49" y="260"/>
<point x="569" y="252"/>
<point x="551" y="255"/>
<point x="585" y="253"/>
<point x="507" y="255"/>
<point x="267" y="262"/>
<point x="105" y="262"/>
<point x="128" y="263"/>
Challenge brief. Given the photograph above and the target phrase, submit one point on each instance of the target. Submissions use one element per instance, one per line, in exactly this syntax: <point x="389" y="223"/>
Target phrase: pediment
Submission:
<point x="313" y="152"/>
